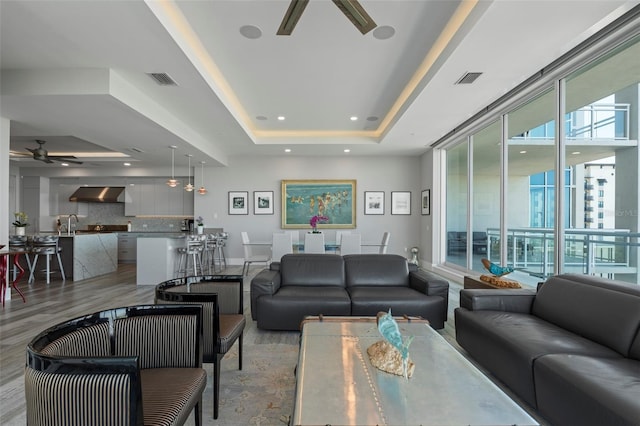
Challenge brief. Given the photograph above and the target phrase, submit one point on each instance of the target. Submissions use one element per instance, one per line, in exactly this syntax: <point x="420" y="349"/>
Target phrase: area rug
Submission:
<point x="262" y="393"/>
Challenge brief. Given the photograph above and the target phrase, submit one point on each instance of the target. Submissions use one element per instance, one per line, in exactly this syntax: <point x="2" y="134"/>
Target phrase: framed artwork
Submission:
<point x="400" y="202"/>
<point x="238" y="202"/>
<point x="262" y="202"/>
<point x="374" y="202"/>
<point x="334" y="200"/>
<point x="426" y="201"/>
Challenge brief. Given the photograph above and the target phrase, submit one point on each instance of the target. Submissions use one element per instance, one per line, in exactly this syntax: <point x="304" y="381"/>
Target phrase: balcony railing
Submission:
<point x="587" y="251"/>
<point x="598" y="121"/>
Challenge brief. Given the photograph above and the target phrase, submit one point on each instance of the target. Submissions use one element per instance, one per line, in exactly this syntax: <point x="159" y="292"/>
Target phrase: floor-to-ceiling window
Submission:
<point x="592" y="224"/>
<point x="530" y="190"/>
<point x="601" y="149"/>
<point x="485" y="220"/>
<point x="456" y="202"/>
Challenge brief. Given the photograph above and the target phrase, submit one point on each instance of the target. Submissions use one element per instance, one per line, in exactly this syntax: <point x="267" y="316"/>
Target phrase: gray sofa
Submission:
<point x="571" y="350"/>
<point x="351" y="285"/>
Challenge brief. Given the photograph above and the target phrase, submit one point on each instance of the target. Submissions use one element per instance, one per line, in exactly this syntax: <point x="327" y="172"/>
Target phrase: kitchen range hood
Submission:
<point x="99" y="194"/>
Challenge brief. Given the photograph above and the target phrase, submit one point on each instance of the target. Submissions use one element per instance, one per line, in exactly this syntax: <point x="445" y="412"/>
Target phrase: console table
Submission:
<point x="336" y="383"/>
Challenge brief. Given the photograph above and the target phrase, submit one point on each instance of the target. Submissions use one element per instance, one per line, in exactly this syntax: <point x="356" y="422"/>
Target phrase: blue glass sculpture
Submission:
<point x="496" y="270"/>
<point x="388" y="328"/>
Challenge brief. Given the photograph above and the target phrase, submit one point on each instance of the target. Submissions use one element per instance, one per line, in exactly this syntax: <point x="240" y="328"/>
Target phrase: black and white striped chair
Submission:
<point x="224" y="319"/>
<point x="137" y="365"/>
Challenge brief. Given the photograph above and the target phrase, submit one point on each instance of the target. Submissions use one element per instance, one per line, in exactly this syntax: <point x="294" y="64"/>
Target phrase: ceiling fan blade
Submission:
<point x="291" y="17"/>
<point x="64" y="160"/>
<point x="62" y="156"/>
<point x="356" y="14"/>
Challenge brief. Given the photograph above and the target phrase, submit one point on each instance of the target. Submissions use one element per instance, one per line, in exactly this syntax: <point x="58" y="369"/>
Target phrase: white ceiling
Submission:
<point x="74" y="73"/>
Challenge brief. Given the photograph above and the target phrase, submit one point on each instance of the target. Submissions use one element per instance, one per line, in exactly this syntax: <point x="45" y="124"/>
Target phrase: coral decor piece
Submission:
<point x="317" y="219"/>
<point x="499" y="281"/>
<point x="392" y="354"/>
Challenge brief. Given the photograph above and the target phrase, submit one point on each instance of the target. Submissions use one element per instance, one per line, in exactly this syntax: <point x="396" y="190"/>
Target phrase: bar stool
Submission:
<point x="19" y="243"/>
<point x="47" y="246"/>
<point x="221" y="242"/>
<point x="190" y="256"/>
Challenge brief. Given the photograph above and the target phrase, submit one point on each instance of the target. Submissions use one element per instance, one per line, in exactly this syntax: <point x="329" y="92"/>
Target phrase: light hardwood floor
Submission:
<point x="59" y="301"/>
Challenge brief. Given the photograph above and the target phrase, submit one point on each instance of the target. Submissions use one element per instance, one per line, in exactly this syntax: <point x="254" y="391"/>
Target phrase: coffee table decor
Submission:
<point x="392" y="354"/>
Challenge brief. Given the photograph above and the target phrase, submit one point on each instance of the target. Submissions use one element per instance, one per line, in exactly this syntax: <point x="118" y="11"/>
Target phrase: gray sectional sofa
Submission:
<point x="571" y="350"/>
<point x="351" y="285"/>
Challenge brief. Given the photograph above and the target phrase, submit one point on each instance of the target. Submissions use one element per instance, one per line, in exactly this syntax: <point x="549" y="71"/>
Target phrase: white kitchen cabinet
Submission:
<point x="151" y="196"/>
<point x="127" y="247"/>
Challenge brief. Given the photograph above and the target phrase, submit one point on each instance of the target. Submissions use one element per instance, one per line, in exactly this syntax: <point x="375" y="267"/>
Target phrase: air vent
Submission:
<point x="469" y="78"/>
<point x="134" y="149"/>
<point x="162" y="79"/>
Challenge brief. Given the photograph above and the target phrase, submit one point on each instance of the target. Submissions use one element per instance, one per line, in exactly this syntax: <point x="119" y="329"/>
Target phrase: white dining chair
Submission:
<point x="339" y="235"/>
<point x="249" y="255"/>
<point x="313" y="243"/>
<point x="385" y="242"/>
<point x="295" y="238"/>
<point x="281" y="244"/>
<point x="350" y="244"/>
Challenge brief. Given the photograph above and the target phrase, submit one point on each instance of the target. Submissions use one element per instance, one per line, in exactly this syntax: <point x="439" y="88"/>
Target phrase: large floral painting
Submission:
<point x="332" y="199"/>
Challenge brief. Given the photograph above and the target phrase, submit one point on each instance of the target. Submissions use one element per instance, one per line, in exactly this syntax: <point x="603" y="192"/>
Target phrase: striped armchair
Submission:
<point x="137" y="365"/>
<point x="221" y="297"/>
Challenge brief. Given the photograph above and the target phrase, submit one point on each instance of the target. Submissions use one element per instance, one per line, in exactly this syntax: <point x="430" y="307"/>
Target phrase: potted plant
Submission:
<point x="200" y="223"/>
<point x="20" y="222"/>
<point x="315" y="220"/>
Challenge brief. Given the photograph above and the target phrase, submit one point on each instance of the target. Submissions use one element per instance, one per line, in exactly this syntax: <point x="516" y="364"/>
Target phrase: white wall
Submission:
<point x="266" y="173"/>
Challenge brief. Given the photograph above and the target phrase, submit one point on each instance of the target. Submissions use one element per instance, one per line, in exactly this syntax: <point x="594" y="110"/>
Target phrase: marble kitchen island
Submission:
<point x="88" y="255"/>
<point x="157" y="257"/>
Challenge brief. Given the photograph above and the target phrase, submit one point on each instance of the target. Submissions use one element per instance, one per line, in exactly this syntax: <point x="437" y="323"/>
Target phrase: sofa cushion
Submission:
<point x="376" y="270"/>
<point x="507" y="343"/>
<point x="312" y="270"/>
<point x="292" y="303"/>
<point x="368" y="301"/>
<point x="595" y="391"/>
<point x="600" y="310"/>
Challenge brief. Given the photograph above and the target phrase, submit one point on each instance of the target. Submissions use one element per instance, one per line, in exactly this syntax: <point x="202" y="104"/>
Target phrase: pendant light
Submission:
<point x="172" y="182"/>
<point x="202" y="190"/>
<point x="188" y="187"/>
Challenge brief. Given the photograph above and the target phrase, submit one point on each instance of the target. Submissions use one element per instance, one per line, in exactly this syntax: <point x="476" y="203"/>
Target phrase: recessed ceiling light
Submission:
<point x="287" y="150"/>
<point x="353" y="118"/>
<point x="251" y="32"/>
<point x="372" y="118"/>
<point x="347" y="150"/>
<point x="576" y="152"/>
<point x="127" y="164"/>
<point x="64" y="164"/>
<point x="261" y="117"/>
<point x="523" y="152"/>
<point x="384" y="32"/>
<point x="281" y="117"/>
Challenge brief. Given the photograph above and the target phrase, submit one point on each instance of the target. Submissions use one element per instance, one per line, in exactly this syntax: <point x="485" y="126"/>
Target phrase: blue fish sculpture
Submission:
<point x="388" y="328"/>
<point x="496" y="270"/>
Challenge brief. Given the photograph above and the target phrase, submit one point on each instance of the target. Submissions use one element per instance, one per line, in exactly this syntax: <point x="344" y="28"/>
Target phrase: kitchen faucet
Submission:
<point x="69" y="223"/>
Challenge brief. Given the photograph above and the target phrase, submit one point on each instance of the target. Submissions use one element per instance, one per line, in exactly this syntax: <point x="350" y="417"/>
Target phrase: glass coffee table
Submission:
<point x="336" y="383"/>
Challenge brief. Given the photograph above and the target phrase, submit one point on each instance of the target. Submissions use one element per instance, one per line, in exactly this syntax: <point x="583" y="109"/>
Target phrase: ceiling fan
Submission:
<point x="351" y="8"/>
<point x="41" y="154"/>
